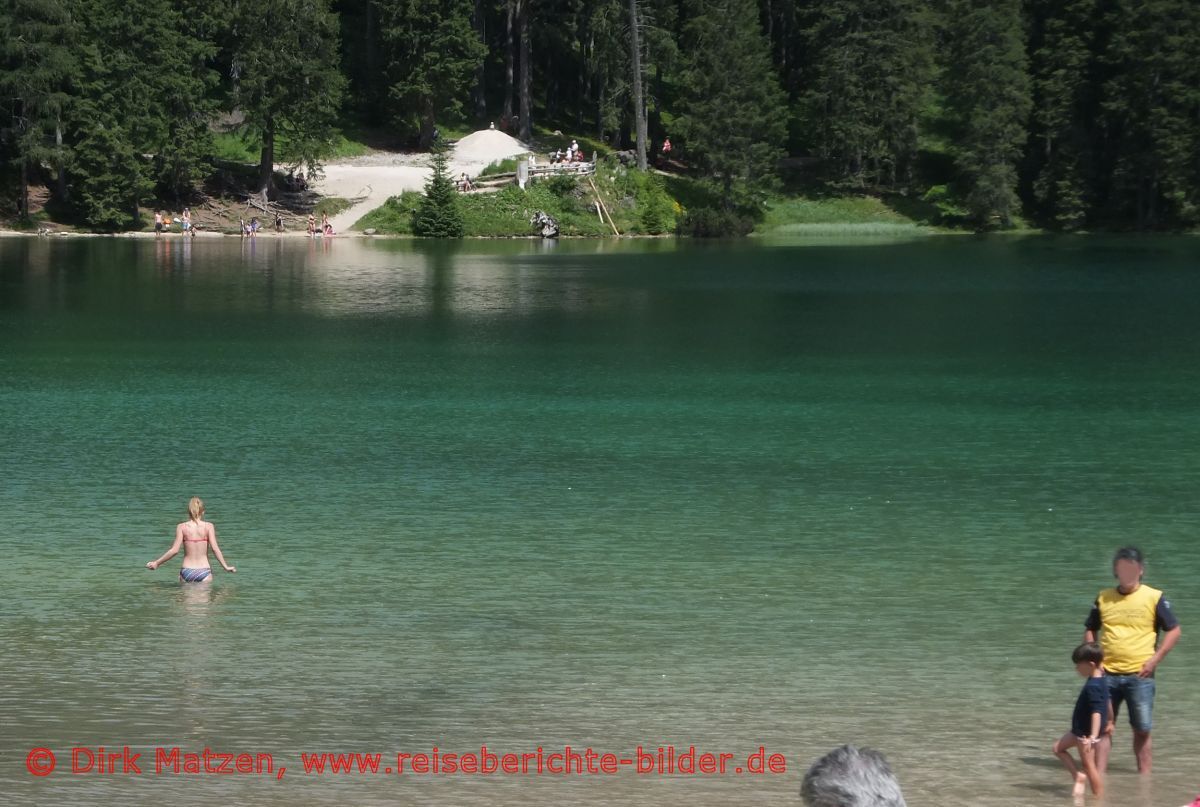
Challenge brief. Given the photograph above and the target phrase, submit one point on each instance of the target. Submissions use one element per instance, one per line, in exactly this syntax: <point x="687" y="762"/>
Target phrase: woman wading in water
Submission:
<point x="195" y="536"/>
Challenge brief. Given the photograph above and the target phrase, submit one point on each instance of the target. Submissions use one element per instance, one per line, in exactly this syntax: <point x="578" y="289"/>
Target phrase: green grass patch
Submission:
<point x="235" y="147"/>
<point x="638" y="202"/>
<point x="239" y="147"/>
<point x="393" y="217"/>
<point x="848" y="229"/>
<point x="344" y="148"/>
<point x="507" y="212"/>
<point x="545" y="141"/>
<point x="507" y="166"/>
<point x="331" y="206"/>
<point x="852" y="210"/>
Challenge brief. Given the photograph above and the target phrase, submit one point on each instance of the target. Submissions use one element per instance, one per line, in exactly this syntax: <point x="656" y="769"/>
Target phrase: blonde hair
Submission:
<point x="196" y="508"/>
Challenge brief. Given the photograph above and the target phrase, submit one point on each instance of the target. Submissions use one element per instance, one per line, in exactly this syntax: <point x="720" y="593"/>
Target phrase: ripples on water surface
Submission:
<point x="600" y="495"/>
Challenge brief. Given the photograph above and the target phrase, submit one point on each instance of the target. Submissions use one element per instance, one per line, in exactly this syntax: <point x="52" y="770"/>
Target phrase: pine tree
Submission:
<point x="1150" y="113"/>
<point x="283" y="64"/>
<point x="37" y="65"/>
<point x="438" y="214"/>
<point x="1064" y="97"/>
<point x="866" y="75"/>
<point x="731" y="110"/>
<point x="142" y="107"/>
<point x="433" y="52"/>
<point x="988" y="91"/>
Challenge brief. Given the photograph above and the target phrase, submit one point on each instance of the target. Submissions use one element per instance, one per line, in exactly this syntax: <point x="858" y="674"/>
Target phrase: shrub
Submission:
<point x="506" y="166"/>
<point x="715" y="222"/>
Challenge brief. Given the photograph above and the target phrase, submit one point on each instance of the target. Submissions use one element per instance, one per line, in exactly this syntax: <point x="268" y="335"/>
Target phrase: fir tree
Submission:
<point x="1150" y="113"/>
<point x="438" y="214"/>
<point x="866" y="78"/>
<point x="37" y="65"/>
<point x="283" y="64"/>
<point x="433" y="52"/>
<point x="142" y="108"/>
<point x="988" y="90"/>
<point x="731" y="112"/>
<point x="1061" y="55"/>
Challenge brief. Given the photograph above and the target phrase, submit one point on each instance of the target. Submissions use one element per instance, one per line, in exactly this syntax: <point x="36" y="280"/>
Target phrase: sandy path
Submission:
<point x="371" y="185"/>
<point x="371" y="179"/>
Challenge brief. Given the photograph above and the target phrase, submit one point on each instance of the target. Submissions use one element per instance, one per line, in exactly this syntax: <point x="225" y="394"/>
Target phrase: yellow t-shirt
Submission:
<point x="1128" y="625"/>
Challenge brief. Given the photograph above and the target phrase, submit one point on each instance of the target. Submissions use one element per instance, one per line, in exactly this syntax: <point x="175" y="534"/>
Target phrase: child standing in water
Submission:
<point x="1091" y="718"/>
<point x="195" y="536"/>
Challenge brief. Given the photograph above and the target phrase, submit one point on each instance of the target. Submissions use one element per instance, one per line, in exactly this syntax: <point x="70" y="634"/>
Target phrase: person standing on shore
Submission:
<point x="1128" y="619"/>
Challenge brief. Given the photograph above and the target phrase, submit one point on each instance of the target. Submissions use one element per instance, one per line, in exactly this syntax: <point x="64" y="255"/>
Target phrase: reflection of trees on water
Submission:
<point x="322" y="276"/>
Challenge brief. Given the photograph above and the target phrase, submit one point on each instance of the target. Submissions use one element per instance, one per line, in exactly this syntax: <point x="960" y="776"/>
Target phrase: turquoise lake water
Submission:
<point x="776" y="494"/>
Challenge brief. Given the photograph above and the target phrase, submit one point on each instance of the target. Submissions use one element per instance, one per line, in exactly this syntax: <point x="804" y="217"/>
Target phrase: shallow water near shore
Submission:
<point x="601" y="494"/>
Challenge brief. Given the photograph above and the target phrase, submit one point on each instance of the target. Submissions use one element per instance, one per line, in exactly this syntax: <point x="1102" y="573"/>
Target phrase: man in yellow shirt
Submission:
<point x="1128" y="619"/>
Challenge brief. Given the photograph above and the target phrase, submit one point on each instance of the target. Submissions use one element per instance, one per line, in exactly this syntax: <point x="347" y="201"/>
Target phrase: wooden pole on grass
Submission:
<point x="603" y="207"/>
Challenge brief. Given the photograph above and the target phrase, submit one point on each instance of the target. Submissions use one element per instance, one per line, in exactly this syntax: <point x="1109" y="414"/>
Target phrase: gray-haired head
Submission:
<point x="851" y="777"/>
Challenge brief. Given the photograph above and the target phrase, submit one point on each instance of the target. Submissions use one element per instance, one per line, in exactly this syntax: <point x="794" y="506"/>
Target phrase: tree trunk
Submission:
<point x="23" y="199"/>
<point x="61" y="165"/>
<point x="480" y="99"/>
<point x="581" y="83"/>
<point x="526" y="72"/>
<point x="266" y="165"/>
<point x="639" y="101"/>
<point x="508" y="60"/>
<point x="427" y="123"/>
<point x="372" y="56"/>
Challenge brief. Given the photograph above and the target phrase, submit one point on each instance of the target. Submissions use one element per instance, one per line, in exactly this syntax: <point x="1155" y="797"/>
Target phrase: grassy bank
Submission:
<point x="637" y="201"/>
<point x="648" y="203"/>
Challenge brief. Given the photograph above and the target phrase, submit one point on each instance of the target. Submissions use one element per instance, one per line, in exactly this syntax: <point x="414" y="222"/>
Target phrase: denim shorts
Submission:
<point x="1138" y="693"/>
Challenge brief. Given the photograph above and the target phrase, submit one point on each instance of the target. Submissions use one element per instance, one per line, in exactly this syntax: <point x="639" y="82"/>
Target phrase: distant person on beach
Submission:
<point x="1088" y="722"/>
<point x="312" y="225"/>
<point x="196" y="536"/>
<point x="158" y="222"/>
<point x="851" y="777"/>
<point x="278" y="222"/>
<point x="186" y="221"/>
<point x="1128" y="619"/>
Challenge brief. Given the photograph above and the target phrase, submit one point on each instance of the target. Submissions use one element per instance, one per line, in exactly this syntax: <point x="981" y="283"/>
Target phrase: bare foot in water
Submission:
<point x="1080" y="787"/>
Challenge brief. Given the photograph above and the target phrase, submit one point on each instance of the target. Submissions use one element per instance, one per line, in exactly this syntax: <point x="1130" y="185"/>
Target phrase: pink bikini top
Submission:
<point x="195" y="540"/>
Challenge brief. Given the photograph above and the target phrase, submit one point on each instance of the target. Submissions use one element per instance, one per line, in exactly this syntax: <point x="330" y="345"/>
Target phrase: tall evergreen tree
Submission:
<point x="1064" y="106"/>
<point x="283" y="67"/>
<point x="731" y="118"/>
<point x="639" y="97"/>
<point x="433" y="52"/>
<point x="37" y="65"/>
<point x="142" y="111"/>
<point x="438" y="214"/>
<point x="988" y="90"/>
<point x="866" y="76"/>
<point x="1151" y="112"/>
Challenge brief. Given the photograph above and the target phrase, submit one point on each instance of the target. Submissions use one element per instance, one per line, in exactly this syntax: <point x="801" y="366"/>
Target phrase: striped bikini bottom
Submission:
<point x="187" y="575"/>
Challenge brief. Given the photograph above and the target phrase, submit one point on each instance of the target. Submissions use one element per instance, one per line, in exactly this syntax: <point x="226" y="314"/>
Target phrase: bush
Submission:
<point x="715" y="222"/>
<point x="562" y="185"/>
<point x="508" y="166"/>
